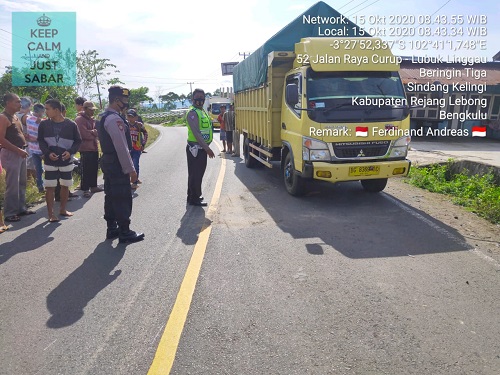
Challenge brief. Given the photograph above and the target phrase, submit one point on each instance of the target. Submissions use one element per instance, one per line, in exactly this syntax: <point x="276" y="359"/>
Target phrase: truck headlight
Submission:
<point x="400" y="147"/>
<point x="314" y="150"/>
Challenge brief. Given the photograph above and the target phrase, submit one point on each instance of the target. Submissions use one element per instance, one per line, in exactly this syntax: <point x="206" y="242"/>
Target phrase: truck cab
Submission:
<point x="351" y="122"/>
<point x="334" y="109"/>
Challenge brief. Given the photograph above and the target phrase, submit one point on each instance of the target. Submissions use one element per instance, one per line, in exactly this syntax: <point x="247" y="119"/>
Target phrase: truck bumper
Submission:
<point x="362" y="171"/>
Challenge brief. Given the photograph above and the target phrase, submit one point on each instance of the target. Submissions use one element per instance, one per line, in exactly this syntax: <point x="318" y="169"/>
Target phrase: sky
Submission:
<point x="165" y="45"/>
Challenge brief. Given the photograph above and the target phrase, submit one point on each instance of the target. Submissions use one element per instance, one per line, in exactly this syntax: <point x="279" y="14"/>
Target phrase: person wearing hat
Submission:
<point x="199" y="127"/>
<point x="139" y="137"/>
<point x="89" y="152"/>
<point x="117" y="167"/>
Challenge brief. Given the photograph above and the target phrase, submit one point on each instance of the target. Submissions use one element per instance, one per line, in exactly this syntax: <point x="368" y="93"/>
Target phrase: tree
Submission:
<point x="93" y="74"/>
<point x="66" y="94"/>
<point x="183" y="98"/>
<point x="158" y="96"/>
<point x="6" y="81"/>
<point x="138" y="96"/>
<point x="170" y="100"/>
<point x="169" y="106"/>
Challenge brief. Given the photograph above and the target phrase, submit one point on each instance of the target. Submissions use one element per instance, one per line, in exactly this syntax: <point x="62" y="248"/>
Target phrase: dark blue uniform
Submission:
<point x="117" y="190"/>
<point x="116" y="164"/>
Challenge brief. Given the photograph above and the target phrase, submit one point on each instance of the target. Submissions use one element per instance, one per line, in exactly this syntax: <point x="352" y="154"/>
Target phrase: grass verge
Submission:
<point x="478" y="194"/>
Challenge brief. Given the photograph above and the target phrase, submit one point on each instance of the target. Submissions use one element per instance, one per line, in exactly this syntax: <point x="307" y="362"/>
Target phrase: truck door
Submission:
<point x="291" y="119"/>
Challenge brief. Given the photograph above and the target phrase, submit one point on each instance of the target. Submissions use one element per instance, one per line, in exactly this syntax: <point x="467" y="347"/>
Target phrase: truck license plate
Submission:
<point x="369" y="170"/>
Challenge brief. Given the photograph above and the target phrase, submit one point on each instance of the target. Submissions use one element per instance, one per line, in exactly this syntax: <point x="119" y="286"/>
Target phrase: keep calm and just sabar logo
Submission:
<point x="40" y="48"/>
<point x="43" y="48"/>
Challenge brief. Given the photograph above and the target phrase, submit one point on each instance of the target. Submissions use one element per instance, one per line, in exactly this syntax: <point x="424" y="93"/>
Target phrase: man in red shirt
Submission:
<point x="220" y="118"/>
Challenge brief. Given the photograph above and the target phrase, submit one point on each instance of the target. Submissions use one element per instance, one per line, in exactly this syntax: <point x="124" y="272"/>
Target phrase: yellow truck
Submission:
<point x="333" y="109"/>
<point x="213" y="108"/>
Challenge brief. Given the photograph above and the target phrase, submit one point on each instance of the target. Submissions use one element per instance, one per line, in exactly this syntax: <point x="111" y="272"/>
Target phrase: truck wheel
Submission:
<point x="250" y="162"/>
<point x="374" y="186"/>
<point x="294" y="184"/>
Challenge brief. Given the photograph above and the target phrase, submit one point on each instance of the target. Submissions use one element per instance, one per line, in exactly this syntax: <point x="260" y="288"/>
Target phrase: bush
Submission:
<point x="165" y="119"/>
<point x="477" y="193"/>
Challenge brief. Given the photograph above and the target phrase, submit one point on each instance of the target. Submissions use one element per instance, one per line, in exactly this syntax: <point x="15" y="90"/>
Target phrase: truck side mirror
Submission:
<point x="292" y="94"/>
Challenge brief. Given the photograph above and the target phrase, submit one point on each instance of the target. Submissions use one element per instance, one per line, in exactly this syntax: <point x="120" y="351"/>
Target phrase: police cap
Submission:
<point x="119" y="91"/>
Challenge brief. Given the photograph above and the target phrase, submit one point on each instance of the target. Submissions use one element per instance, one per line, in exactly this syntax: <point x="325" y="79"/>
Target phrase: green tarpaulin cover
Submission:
<point x="252" y="71"/>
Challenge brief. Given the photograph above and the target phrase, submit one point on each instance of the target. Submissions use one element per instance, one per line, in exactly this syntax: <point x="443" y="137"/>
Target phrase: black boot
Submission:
<point x="127" y="236"/>
<point x="113" y="231"/>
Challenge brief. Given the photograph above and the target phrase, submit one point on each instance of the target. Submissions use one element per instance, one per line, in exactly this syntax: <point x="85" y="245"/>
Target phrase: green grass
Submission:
<point x="153" y="133"/>
<point x="171" y="120"/>
<point x="478" y="194"/>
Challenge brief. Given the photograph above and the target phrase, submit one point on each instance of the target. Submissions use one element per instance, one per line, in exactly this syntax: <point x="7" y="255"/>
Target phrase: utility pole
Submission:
<point x="244" y="54"/>
<point x="191" y="89"/>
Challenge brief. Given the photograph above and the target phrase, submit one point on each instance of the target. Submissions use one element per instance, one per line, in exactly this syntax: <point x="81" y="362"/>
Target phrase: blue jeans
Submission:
<point x="136" y="155"/>
<point x="37" y="160"/>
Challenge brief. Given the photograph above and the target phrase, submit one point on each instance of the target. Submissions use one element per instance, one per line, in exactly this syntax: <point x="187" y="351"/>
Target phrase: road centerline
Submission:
<point x="169" y="341"/>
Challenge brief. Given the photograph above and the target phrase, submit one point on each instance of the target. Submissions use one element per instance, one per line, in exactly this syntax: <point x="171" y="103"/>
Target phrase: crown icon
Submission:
<point x="43" y="21"/>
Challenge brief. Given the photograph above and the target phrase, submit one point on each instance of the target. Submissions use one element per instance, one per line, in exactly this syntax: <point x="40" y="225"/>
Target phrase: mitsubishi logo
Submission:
<point x="361" y="154"/>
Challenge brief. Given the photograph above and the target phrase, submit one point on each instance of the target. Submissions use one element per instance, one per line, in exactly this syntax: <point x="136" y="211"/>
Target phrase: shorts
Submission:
<point x="63" y="173"/>
<point x="222" y="135"/>
<point x="229" y="136"/>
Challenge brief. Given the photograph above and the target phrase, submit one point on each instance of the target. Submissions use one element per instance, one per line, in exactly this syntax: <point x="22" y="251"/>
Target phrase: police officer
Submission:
<point x="117" y="167"/>
<point x="199" y="138"/>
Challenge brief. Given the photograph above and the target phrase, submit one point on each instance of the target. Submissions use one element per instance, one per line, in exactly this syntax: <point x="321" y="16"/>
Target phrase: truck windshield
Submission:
<point x="215" y="109"/>
<point x="355" y="96"/>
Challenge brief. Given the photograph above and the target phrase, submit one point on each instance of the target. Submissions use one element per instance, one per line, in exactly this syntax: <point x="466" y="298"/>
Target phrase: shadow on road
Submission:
<point x="354" y="222"/>
<point x="32" y="239"/>
<point x="68" y="300"/>
<point x="191" y="224"/>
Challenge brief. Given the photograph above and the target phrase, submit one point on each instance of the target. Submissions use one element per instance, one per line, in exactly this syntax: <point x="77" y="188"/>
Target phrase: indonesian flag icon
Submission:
<point x="479" y="131"/>
<point x="361" y="131"/>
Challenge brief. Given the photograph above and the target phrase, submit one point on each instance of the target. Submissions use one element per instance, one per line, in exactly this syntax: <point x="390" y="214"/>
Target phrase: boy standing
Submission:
<point x="59" y="140"/>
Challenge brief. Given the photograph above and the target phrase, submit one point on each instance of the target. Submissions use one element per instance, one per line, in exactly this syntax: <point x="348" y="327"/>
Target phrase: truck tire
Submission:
<point x="294" y="184"/>
<point x="250" y="162"/>
<point x="374" y="186"/>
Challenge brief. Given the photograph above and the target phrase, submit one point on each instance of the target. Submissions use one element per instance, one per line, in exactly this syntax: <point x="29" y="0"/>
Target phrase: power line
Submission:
<point x="442" y="6"/>
<point x="347" y="11"/>
<point x="345" y="4"/>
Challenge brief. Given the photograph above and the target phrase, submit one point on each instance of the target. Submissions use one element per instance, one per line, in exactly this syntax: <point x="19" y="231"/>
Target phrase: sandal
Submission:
<point x="12" y="219"/>
<point x="3" y="228"/>
<point x="27" y="212"/>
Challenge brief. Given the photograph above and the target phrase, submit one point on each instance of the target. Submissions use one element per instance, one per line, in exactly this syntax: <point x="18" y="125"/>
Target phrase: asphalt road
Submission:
<point x="338" y="282"/>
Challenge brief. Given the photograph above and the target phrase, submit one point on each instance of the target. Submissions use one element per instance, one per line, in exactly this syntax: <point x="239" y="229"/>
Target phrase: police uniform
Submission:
<point x="116" y="164"/>
<point x="196" y="153"/>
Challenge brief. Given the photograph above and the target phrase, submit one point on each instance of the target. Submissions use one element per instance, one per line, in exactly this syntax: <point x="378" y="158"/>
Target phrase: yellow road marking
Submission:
<point x="167" y="348"/>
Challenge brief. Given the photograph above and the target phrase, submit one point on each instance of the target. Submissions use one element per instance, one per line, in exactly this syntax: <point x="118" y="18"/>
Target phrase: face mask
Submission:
<point x="125" y="105"/>
<point x="198" y="102"/>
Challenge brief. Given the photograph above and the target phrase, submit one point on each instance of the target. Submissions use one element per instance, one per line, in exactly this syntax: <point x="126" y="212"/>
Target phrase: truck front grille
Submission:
<point x="368" y="149"/>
